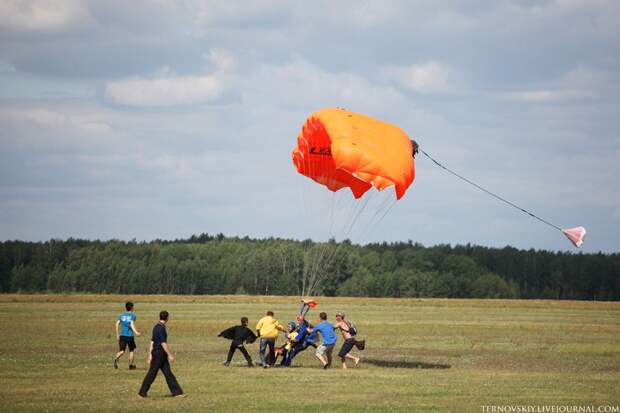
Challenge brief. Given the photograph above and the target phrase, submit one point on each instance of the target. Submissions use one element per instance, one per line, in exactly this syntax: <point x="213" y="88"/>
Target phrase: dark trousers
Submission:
<point x="271" y="357"/>
<point x="298" y="348"/>
<point x="160" y="361"/>
<point x="236" y="346"/>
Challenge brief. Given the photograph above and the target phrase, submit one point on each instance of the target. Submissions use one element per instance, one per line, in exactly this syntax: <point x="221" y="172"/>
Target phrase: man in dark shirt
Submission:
<point x="160" y="358"/>
<point x="239" y="335"/>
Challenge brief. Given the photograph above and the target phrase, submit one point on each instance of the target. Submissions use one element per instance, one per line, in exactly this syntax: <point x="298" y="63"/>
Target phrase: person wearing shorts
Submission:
<point x="125" y="332"/>
<point x="325" y="350"/>
<point x="349" y="341"/>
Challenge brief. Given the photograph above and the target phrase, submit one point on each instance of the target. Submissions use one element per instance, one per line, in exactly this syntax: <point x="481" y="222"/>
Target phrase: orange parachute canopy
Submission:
<point x="339" y="149"/>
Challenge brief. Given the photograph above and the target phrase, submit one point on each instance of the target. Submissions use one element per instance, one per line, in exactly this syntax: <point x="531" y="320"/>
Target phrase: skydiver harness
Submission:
<point x="415" y="147"/>
<point x="352" y="330"/>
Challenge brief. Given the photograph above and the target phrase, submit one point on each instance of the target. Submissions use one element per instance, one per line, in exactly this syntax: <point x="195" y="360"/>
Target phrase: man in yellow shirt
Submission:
<point x="267" y="329"/>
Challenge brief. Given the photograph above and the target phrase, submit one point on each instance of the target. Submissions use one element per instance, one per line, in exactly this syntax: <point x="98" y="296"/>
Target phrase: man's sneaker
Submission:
<point x="226" y="363"/>
<point x="141" y="396"/>
<point x="326" y="366"/>
<point x="180" y="396"/>
<point x="115" y="363"/>
<point x="132" y="367"/>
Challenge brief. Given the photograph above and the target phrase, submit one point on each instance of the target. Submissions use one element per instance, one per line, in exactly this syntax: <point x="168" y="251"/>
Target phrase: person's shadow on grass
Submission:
<point x="405" y="364"/>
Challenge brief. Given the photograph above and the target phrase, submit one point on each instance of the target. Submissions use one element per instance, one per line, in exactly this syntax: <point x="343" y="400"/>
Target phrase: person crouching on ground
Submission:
<point x="326" y="329"/>
<point x="125" y="331"/>
<point x="267" y="329"/>
<point x="160" y="358"/>
<point x="349" y="340"/>
<point x="304" y="339"/>
<point x="239" y="335"/>
<point x="288" y="344"/>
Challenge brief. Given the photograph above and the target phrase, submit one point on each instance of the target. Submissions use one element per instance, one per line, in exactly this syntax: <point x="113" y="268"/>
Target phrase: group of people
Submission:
<point x="299" y="335"/>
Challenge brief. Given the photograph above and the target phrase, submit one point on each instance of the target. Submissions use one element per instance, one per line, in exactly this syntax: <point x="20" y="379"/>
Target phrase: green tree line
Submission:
<point x="215" y="264"/>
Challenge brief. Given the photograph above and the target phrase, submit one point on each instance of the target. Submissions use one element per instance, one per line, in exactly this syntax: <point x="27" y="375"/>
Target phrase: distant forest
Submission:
<point x="215" y="264"/>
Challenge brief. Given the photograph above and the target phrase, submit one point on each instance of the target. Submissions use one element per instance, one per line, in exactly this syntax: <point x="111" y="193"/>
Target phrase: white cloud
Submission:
<point x="6" y="68"/>
<point x="86" y="123"/>
<point x="580" y="83"/>
<point x="207" y="14"/>
<point x="579" y="4"/>
<point x="166" y="91"/>
<point x="41" y="15"/>
<point x="367" y="14"/>
<point x="539" y="96"/>
<point x="221" y="59"/>
<point x="426" y="78"/>
<point x="167" y="163"/>
<point x="586" y="78"/>
<point x="166" y="88"/>
<point x="300" y="84"/>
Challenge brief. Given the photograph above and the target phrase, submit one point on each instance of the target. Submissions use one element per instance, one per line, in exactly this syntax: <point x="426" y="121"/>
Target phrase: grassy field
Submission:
<point x="422" y="355"/>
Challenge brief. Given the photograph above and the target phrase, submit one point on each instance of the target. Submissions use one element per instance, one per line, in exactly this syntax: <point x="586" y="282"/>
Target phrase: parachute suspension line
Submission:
<point x="309" y="255"/>
<point x="360" y="207"/>
<point x="380" y="212"/>
<point x="489" y="192"/>
<point x="336" y="205"/>
<point x="385" y="207"/>
<point x="307" y="216"/>
<point x="389" y="208"/>
<point x="320" y="250"/>
<point x="331" y="232"/>
<point x="304" y="188"/>
<point x="322" y="269"/>
<point x="323" y="249"/>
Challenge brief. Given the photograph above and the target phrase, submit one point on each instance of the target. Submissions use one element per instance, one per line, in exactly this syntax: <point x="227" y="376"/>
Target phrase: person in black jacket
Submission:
<point x="160" y="358"/>
<point x="239" y="335"/>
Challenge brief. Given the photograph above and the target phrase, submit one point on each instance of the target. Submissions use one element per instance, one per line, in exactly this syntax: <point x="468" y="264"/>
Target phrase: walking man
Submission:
<point x="160" y="358"/>
<point x="267" y="329"/>
<point x="125" y="331"/>
<point x="324" y="351"/>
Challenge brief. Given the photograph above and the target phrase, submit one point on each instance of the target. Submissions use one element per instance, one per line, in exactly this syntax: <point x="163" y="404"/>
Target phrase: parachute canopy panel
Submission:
<point x="339" y="149"/>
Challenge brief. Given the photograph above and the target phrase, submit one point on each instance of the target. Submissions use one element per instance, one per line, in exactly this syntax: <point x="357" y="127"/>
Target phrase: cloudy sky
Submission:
<point x="163" y="119"/>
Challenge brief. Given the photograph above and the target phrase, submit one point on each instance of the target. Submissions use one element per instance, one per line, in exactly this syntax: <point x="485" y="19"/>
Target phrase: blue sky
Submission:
<point x="163" y="119"/>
